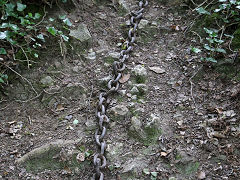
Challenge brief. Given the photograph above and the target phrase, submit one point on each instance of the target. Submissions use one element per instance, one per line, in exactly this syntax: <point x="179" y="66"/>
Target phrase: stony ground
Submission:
<point x="174" y="117"/>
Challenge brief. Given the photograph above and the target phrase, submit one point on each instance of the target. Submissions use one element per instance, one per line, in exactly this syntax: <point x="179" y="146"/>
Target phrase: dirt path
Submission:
<point x="176" y="120"/>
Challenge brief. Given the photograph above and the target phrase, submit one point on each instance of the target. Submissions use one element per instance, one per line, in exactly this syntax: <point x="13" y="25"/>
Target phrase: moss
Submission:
<point x="148" y="136"/>
<point x="109" y="60"/>
<point x="140" y="79"/>
<point x="189" y="168"/>
<point x="45" y="161"/>
<point x="122" y="11"/>
<point x="148" y="34"/>
<point x="152" y="133"/>
<point x="48" y="161"/>
<point x="236" y="39"/>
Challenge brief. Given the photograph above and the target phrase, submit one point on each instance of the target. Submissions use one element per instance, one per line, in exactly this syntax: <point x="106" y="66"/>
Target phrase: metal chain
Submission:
<point x="119" y="66"/>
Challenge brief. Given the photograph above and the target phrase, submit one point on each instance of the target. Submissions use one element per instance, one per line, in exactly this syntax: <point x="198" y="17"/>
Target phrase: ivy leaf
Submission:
<point x="40" y="36"/>
<point x="51" y="19"/>
<point x="201" y="10"/>
<point x="67" y="22"/>
<point x="207" y="47"/>
<point x="62" y="17"/>
<point x="221" y="50"/>
<point x="3" y="51"/>
<point x="37" y="16"/>
<point x="14" y="27"/>
<point x="52" y="30"/>
<point x="3" y="35"/>
<point x="65" y="38"/>
<point x="211" y="59"/>
<point x="35" y="55"/>
<point x="20" y="6"/>
<point x="196" y="50"/>
<point x="4" y="25"/>
<point x="1" y="80"/>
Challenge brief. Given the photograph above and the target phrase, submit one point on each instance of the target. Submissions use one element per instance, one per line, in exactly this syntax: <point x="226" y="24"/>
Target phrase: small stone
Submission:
<point x="143" y="23"/>
<point x="47" y="81"/>
<point x="75" y="69"/>
<point x="136" y="123"/>
<point x="114" y="55"/>
<point x="91" y="124"/>
<point x="120" y="110"/>
<point x="157" y="70"/>
<point x="154" y="23"/>
<point x="122" y="92"/>
<point x="202" y="175"/>
<point x="124" y="4"/>
<point x="91" y="55"/>
<point x="134" y="97"/>
<point x="134" y="90"/>
<point x="142" y="87"/>
<point x="82" y="33"/>
<point x="139" y="70"/>
<point x="128" y="23"/>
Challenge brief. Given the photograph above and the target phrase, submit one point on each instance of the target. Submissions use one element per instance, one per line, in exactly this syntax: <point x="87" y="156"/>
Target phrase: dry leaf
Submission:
<point x="176" y="27"/>
<point x="202" y="175"/>
<point x="218" y="134"/>
<point x="124" y="78"/>
<point x="164" y="154"/>
<point x="157" y="70"/>
<point x="60" y="107"/>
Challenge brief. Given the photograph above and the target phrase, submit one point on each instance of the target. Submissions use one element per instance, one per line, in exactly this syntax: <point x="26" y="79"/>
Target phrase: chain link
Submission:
<point x="119" y="66"/>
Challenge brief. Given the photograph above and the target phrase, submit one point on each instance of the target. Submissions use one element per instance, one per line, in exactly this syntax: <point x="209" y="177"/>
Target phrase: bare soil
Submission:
<point x="196" y="112"/>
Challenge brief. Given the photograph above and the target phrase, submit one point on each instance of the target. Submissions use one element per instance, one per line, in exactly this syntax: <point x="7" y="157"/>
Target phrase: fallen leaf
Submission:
<point x="157" y="70"/>
<point x="124" y="78"/>
<point x="60" y="107"/>
<point x="80" y="157"/>
<point x="218" y="134"/>
<point x="176" y="27"/>
<point x="164" y="154"/>
<point x="202" y="175"/>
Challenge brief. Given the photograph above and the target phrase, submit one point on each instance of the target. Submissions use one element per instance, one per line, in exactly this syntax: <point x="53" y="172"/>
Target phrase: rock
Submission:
<point x="124" y="4"/>
<point x="139" y="70"/>
<point x="91" y="124"/>
<point x="103" y="81"/>
<point x="134" y="90"/>
<point x="134" y="97"/>
<point x="143" y="23"/>
<point x="91" y="55"/>
<point x="134" y="165"/>
<point x="82" y="33"/>
<point x="114" y="149"/>
<point x="75" y="69"/>
<point x="136" y="123"/>
<point x="142" y="87"/>
<point x="157" y="70"/>
<point x="119" y="110"/>
<point x="47" y="81"/>
<point x="114" y="55"/>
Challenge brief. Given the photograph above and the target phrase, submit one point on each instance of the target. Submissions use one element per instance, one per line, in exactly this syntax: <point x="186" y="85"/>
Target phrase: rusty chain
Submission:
<point x="119" y="66"/>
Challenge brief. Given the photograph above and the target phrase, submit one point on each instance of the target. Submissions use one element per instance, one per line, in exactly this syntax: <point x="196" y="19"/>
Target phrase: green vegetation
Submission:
<point x="24" y="31"/>
<point x="220" y="36"/>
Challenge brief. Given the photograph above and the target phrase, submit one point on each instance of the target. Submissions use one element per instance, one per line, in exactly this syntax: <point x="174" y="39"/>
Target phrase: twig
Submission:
<point x="21" y="77"/>
<point x="30" y="98"/>
<point x="191" y="90"/>
<point x="28" y="61"/>
<point x="197" y="35"/>
<point x="45" y="13"/>
<point x="198" y="5"/>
